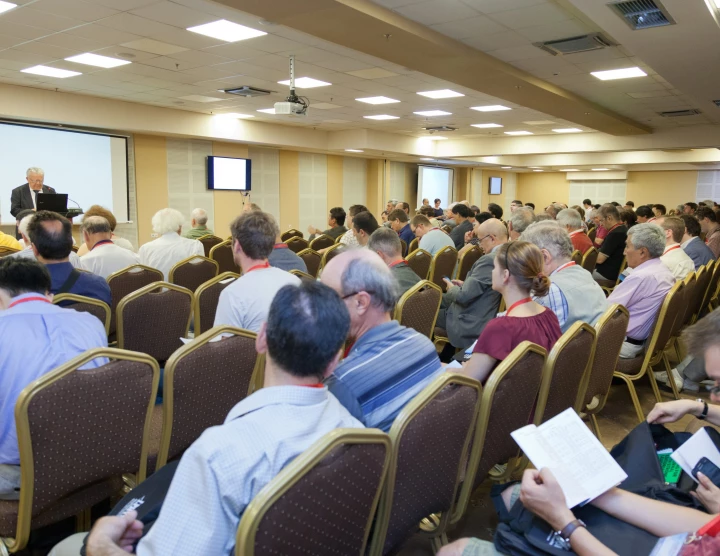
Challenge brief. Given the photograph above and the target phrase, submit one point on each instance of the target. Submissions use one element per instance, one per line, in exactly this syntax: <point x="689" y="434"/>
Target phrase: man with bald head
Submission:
<point x="103" y="257"/>
<point x="386" y="365"/>
<point x="470" y="304"/>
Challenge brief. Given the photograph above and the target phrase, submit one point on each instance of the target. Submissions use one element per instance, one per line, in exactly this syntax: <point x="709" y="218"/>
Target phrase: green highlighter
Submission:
<point x="671" y="470"/>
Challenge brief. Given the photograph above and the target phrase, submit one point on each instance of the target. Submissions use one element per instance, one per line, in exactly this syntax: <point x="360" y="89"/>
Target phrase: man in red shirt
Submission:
<point x="570" y="220"/>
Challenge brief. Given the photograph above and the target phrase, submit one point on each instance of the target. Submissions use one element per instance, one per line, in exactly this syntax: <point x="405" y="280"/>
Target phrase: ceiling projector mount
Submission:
<point x="293" y="104"/>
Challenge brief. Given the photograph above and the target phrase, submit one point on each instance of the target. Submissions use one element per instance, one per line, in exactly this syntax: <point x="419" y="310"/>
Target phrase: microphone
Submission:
<point x="78" y="204"/>
<point x="72" y="213"/>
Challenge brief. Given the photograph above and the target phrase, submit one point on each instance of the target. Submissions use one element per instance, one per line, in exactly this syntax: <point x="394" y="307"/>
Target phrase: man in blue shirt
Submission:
<point x="400" y="223"/>
<point x="51" y="240"/>
<point x="35" y="338"/>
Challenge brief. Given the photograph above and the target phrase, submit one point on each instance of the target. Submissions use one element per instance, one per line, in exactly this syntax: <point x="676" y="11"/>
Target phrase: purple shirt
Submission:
<point x="642" y="293"/>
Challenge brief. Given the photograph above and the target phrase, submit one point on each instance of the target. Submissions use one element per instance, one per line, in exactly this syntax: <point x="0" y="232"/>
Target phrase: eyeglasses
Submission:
<point x="484" y="238"/>
<point x="357" y="292"/>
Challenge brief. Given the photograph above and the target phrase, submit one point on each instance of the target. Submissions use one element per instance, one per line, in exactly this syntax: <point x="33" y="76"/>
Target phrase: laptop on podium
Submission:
<point x="56" y="202"/>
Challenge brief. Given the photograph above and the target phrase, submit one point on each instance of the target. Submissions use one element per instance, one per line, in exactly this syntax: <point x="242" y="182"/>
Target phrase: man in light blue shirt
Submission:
<point x="35" y="338"/>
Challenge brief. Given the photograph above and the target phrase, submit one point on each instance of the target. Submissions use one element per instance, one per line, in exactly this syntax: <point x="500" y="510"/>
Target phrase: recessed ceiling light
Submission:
<point x="538" y="170"/>
<point x="484" y="126"/>
<point x="600" y="169"/>
<point x="568" y="130"/>
<point x="442" y="93"/>
<point x="506" y="167"/>
<point x="200" y="98"/>
<point x="267" y="110"/>
<point x="533" y="167"/>
<point x="433" y="113"/>
<point x="306" y="83"/>
<point x="5" y="6"/>
<point x="236" y="115"/>
<point x="491" y="108"/>
<point x="427" y="159"/>
<point x="436" y="138"/>
<point x="568" y="170"/>
<point x="382" y="117"/>
<point x="354" y="151"/>
<point x="377" y="100"/>
<point x="51" y="72"/>
<point x="618" y="73"/>
<point x="90" y="59"/>
<point x="519" y="133"/>
<point x="226" y="31"/>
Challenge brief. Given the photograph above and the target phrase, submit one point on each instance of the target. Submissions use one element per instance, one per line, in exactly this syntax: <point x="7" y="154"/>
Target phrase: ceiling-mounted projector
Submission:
<point x="293" y="105"/>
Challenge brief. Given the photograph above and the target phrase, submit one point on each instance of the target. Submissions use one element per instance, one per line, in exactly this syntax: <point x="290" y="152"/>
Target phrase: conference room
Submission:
<point x="296" y="277"/>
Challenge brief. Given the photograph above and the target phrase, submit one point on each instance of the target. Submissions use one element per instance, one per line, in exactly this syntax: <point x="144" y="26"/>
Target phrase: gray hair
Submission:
<point x="543" y="217"/>
<point x="96" y="225"/>
<point x="375" y="278"/>
<point x="167" y="220"/>
<point x="23" y="226"/>
<point x="521" y="219"/>
<point x="552" y="237"/>
<point x="649" y="236"/>
<point x="570" y="218"/>
<point x="34" y="170"/>
<point x="393" y="201"/>
<point x="200" y="216"/>
<point x="709" y="203"/>
<point x="386" y="241"/>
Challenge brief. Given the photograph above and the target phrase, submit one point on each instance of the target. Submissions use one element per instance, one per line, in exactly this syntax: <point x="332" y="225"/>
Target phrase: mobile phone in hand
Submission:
<point x="709" y="469"/>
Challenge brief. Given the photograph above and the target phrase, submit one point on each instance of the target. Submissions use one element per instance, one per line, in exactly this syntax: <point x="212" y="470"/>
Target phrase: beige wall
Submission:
<point x="375" y="180"/>
<point x="151" y="179"/>
<point x="542" y="188"/>
<point x="334" y="182"/>
<point x="289" y="190"/>
<point x="668" y="188"/>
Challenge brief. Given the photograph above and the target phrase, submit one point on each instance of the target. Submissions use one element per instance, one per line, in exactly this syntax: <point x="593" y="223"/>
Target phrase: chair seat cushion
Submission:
<point x="630" y="366"/>
<point x="440" y="332"/>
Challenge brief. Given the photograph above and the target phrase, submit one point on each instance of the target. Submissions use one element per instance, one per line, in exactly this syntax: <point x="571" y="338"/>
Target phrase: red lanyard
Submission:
<point x="317" y="385"/>
<point x="517" y="304"/>
<point x="280" y="246"/>
<point x="615" y="226"/>
<point x="671" y="249"/>
<point x="102" y="242"/>
<point x="563" y="267"/>
<point x="27" y="299"/>
<point x="397" y="263"/>
<point x="266" y="264"/>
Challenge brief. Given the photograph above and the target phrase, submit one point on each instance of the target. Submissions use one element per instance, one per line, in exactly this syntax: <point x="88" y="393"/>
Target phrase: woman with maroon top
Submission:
<point x="517" y="274"/>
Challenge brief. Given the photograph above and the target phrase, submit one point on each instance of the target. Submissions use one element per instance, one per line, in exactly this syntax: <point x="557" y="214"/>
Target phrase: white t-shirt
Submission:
<point x="168" y="250"/>
<point x="107" y="258"/>
<point x="246" y="302"/>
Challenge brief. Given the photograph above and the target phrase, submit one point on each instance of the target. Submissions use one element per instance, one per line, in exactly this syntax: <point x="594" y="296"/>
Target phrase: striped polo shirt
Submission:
<point x="385" y="369"/>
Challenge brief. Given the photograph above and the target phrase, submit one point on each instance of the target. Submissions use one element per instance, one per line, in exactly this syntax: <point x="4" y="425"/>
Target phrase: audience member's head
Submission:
<point x="569" y="219"/>
<point x="22" y="214"/>
<point x="553" y="241"/>
<point x="703" y="343"/>
<point x="491" y="233"/>
<point x="94" y="229"/>
<point x="167" y="221"/>
<point x="461" y="212"/>
<point x="337" y="217"/>
<point x="426" y="202"/>
<point x="364" y="224"/>
<point x="386" y="243"/>
<point x="420" y="225"/>
<point x="553" y="209"/>
<point x="674" y="228"/>
<point x="644" y="242"/>
<point x="689" y="208"/>
<point x="615" y="204"/>
<point x="581" y="211"/>
<point x="23" y="227"/>
<point x="519" y="265"/>
<point x="284" y="336"/>
<point x="531" y="205"/>
<point x="437" y="203"/>
<point x="19" y="276"/>
<point x="707" y="218"/>
<point x="253" y="237"/>
<point x="390" y="206"/>
<point x="398" y="219"/>
<point x="384" y="216"/>
<point x="515" y="205"/>
<point x="628" y="217"/>
<point x="198" y="218"/>
<point x="608" y="215"/>
<point x="357" y="209"/>
<point x="519" y="220"/>
<point x="659" y="210"/>
<point x="496" y="210"/>
<point x="427" y="211"/>
<point x="402" y="205"/>
<point x="97" y="210"/>
<point x="587" y="203"/>
<point x="708" y="203"/>
<point x="629" y="205"/>
<point x="483" y="216"/>
<point x="596" y="206"/>
<point x="643" y="214"/>
<point x="543" y="217"/>
<point x="51" y="237"/>
<point x="692" y="227"/>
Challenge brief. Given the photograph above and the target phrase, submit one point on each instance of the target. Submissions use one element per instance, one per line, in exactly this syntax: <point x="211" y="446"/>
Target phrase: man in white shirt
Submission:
<point x="103" y="257"/>
<point x="246" y="302"/>
<point x="170" y="248"/>
<point x="674" y="257"/>
<point x="432" y="239"/>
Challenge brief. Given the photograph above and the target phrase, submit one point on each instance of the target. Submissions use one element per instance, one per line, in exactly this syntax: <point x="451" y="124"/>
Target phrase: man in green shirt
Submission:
<point x="198" y="222"/>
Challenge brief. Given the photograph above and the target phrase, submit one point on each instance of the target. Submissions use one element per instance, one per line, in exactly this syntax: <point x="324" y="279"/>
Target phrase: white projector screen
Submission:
<point x="90" y="168"/>
<point x="435" y="183"/>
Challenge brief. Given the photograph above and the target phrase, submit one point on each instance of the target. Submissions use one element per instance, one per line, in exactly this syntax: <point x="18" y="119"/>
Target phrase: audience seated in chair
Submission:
<point x="386" y="243"/>
<point x="198" y="224"/>
<point x="517" y="274"/>
<point x="363" y="225"/>
<point x="400" y="223"/>
<point x="644" y="290"/>
<point x="695" y="248"/>
<point x="432" y="239"/>
<point x="571" y="220"/>
<point x="674" y="257"/>
<point x="245" y="303"/>
<point x="229" y="464"/>
<point x="35" y="338"/>
<point x="170" y="248"/>
<point x="711" y="228"/>
<point x="348" y="238"/>
<point x="461" y="215"/>
<point x="573" y="295"/>
<point x="97" y="210"/>
<point x="470" y="304"/>
<point x="104" y="256"/>
<point x="386" y="364"/>
<point x="610" y="256"/>
<point x="51" y="239"/>
<point x="284" y="258"/>
<point x="336" y="221"/>
<point x="27" y="252"/>
<point x="520" y="219"/>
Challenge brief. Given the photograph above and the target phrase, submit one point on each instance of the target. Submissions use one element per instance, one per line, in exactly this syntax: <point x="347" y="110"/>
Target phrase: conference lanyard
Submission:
<point x="517" y="304"/>
<point x="671" y="249"/>
<point x="615" y="226"/>
<point x="316" y="385"/>
<point x="28" y="299"/>
<point x="102" y="242"/>
<point x="397" y="263"/>
<point x="563" y="267"/>
<point x="266" y="264"/>
<point x="280" y="246"/>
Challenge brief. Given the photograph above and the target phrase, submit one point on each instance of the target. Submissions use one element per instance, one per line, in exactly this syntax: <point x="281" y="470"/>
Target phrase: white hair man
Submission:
<point x="198" y="223"/>
<point x="25" y="195"/>
<point x="571" y="220"/>
<point x="520" y="219"/>
<point x="170" y="248"/>
<point x="573" y="295"/>
<point x="103" y="257"/>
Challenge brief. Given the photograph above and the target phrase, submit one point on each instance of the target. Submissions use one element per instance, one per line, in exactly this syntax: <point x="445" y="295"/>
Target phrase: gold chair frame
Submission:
<point x="414" y="244"/>
<point x="577" y="257"/>
<point x="421" y="252"/>
<point x="189" y="261"/>
<point x="284" y="236"/>
<point x="397" y="315"/>
<point x="308" y="250"/>
<point x="323" y="261"/>
<point x="585" y="256"/>
<point x="461" y="259"/>
<point x="131" y="268"/>
<point x="302" y="275"/>
<point x="296" y="470"/>
<point x="201" y="288"/>
<point x="90" y="301"/>
<point x="322" y="236"/>
<point x="295" y="239"/>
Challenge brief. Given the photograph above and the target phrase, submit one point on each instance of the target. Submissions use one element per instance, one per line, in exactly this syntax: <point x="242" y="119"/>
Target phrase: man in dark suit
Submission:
<point x="696" y="249"/>
<point x="25" y="196"/>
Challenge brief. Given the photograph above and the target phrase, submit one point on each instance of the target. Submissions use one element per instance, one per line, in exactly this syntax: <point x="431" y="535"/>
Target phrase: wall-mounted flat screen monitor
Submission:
<point x="228" y="174"/>
<point x="495" y="186"/>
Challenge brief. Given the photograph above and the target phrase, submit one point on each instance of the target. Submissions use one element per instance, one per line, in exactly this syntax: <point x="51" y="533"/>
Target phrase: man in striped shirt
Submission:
<point x="386" y="365"/>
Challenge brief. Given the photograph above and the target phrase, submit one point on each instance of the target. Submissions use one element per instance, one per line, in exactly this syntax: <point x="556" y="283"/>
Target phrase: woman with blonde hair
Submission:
<point x="517" y="275"/>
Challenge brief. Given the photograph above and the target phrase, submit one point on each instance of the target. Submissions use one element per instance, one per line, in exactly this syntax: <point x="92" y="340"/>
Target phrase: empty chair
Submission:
<point x="420" y="260"/>
<point x="222" y="253"/>
<point x="443" y="265"/>
<point x="206" y="300"/>
<point x="153" y="319"/>
<point x="209" y="241"/>
<point x="78" y="433"/>
<point x="577" y="257"/>
<point x="126" y="281"/>
<point x="443" y="416"/>
<point x="192" y="272"/>
<point x="419" y="306"/>
<point x="203" y="381"/>
<point x="337" y="484"/>
<point x="467" y="260"/>
<point x="321" y="242"/>
<point x="95" y="307"/>
<point x="313" y="261"/>
<point x="302" y="275"/>
<point x="292" y="232"/>
<point x="414" y="244"/>
<point x="589" y="259"/>
<point x="297" y="244"/>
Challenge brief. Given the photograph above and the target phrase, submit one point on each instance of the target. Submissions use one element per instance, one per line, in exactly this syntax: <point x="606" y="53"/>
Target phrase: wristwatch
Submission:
<point x="569" y="529"/>
<point x="705" y="409"/>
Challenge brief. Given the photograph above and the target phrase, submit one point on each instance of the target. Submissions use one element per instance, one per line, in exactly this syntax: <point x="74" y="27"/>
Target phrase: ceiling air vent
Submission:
<point x="643" y="14"/>
<point x="246" y="91"/>
<point x="444" y="128"/>
<point x="572" y="45"/>
<point x="680" y="113"/>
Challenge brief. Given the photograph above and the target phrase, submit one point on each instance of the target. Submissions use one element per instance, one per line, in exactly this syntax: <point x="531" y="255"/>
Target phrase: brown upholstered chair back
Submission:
<point x="290" y="234"/>
<point x="420" y="260"/>
<point x="321" y="242"/>
<point x="206" y="300"/>
<point x="95" y="307"/>
<point x="153" y="319"/>
<point x="193" y="272"/>
<point x="419" y="306"/>
<point x="209" y="241"/>
<point x="467" y="260"/>
<point x="78" y="432"/>
<point x="443" y="264"/>
<point x="592" y="232"/>
<point x="589" y="259"/>
<point x="577" y="257"/>
<point x="333" y="251"/>
<point x="126" y="281"/>
<point x="297" y="244"/>
<point x="567" y="367"/>
<point x="671" y="315"/>
<point x="336" y="482"/>
<point x="714" y="281"/>
<point x="312" y="259"/>
<point x="431" y="440"/>
<point x="203" y="381"/>
<point x="414" y="244"/>
<point x="703" y="276"/>
<point x="222" y="253"/>
<point x="403" y="248"/>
